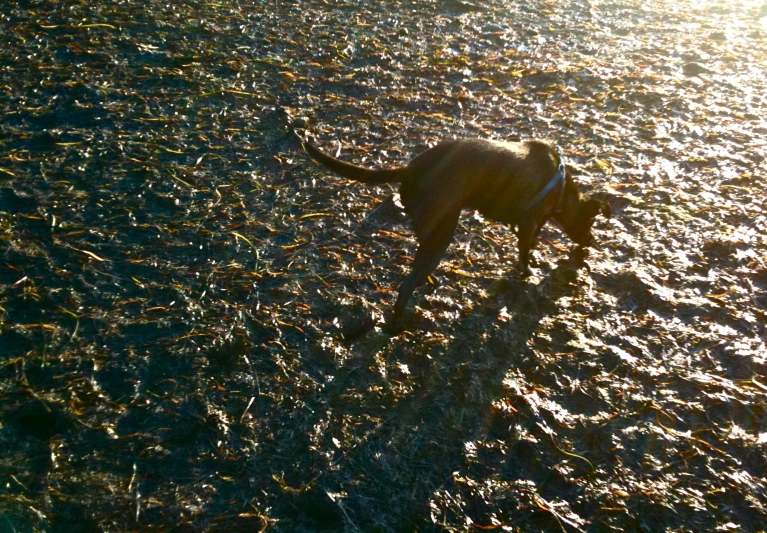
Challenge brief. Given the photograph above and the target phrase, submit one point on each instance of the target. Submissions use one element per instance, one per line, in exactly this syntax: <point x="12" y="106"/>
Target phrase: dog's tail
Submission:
<point x="354" y="172"/>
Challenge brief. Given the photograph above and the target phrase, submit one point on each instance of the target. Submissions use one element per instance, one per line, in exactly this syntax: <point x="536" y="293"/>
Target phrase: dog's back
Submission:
<point x="496" y="178"/>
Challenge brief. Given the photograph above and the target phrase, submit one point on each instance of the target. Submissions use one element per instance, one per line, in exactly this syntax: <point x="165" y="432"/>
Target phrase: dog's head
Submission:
<point x="577" y="214"/>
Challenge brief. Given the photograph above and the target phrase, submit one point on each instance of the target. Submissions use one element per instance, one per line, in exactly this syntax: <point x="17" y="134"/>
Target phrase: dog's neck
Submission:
<point x="557" y="180"/>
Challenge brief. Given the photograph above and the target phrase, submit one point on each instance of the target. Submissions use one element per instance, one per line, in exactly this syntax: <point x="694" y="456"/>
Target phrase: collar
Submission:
<point x="558" y="179"/>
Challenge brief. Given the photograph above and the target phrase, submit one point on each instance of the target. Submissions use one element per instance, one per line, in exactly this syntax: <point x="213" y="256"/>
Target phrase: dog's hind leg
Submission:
<point x="431" y="248"/>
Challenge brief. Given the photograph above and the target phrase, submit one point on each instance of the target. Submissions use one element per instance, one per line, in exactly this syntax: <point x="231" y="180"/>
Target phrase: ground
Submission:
<point x="182" y="288"/>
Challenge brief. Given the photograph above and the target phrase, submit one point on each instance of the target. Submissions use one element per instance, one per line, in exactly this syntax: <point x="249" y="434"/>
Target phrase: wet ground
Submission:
<point x="181" y="288"/>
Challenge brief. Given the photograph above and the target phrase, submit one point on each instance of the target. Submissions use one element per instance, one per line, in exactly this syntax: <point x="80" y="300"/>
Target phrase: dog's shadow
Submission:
<point x="454" y="390"/>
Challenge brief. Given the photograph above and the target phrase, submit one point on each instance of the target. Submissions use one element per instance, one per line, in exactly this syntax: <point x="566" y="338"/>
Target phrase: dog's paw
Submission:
<point x="397" y="323"/>
<point x="579" y="255"/>
<point x="357" y="329"/>
<point x="394" y="327"/>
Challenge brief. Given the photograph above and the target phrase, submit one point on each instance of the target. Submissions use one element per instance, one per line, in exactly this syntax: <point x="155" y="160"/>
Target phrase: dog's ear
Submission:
<point x="574" y="170"/>
<point x="605" y="209"/>
<point x="593" y="207"/>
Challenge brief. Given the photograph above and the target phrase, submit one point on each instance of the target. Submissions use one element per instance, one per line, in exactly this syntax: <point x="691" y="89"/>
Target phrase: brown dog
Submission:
<point x="522" y="184"/>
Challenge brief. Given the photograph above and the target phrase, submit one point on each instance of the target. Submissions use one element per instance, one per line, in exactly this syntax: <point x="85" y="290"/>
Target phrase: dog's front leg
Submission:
<point x="527" y="234"/>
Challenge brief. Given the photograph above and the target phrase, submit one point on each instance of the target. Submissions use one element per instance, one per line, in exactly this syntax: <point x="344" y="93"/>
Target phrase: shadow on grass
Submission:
<point x="387" y="481"/>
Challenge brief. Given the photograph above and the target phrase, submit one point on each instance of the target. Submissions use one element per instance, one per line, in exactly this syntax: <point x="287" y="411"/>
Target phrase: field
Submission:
<point x="192" y="311"/>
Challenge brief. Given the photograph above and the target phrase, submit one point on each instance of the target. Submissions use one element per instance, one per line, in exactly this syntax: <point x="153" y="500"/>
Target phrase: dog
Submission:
<point x="522" y="184"/>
